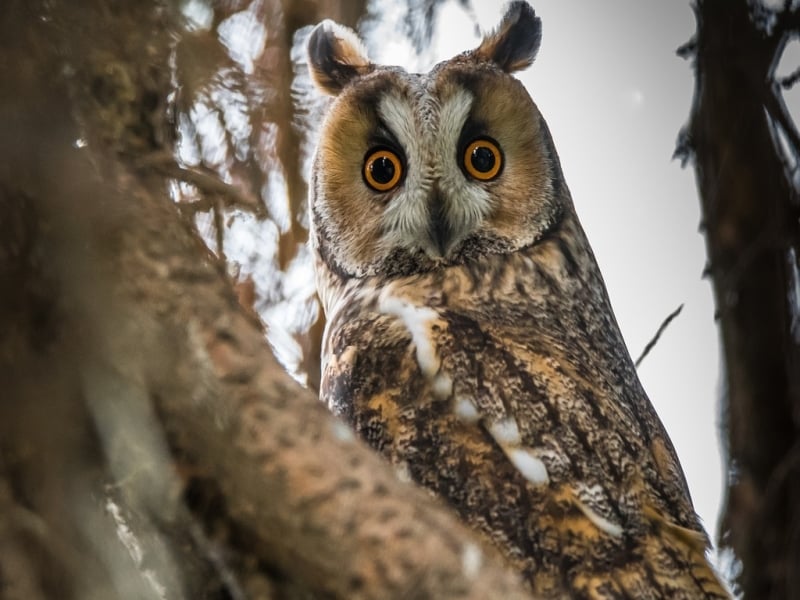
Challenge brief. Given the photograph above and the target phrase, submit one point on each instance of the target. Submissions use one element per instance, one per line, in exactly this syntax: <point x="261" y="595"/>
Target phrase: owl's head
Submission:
<point x="416" y="172"/>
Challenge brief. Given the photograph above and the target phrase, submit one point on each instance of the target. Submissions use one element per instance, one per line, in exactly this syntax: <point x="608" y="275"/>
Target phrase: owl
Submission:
<point x="469" y="335"/>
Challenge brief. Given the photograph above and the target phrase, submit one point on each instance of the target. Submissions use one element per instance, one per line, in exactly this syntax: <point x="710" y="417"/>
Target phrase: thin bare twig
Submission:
<point x="776" y="107"/>
<point x="789" y="80"/>
<point x="208" y="182"/>
<point x="656" y="337"/>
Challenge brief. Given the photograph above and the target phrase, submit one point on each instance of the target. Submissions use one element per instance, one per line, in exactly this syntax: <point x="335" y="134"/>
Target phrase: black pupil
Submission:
<point x="482" y="159"/>
<point x="382" y="170"/>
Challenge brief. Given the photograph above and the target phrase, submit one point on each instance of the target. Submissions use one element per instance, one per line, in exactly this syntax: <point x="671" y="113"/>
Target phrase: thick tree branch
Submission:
<point x="657" y="336"/>
<point x="286" y="476"/>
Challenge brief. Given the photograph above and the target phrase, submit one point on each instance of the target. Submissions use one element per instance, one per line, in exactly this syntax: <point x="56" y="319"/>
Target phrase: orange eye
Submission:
<point x="383" y="169"/>
<point x="483" y="159"/>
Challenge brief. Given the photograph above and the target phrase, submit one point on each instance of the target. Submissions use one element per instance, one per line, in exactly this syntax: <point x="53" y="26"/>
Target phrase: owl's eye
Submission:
<point x="383" y="169"/>
<point x="483" y="159"/>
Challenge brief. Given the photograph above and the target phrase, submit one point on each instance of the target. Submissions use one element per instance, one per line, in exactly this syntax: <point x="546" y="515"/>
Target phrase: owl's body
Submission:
<point x="469" y="336"/>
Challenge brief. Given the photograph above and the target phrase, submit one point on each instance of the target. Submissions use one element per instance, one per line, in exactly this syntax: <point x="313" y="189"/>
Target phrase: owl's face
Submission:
<point x="416" y="172"/>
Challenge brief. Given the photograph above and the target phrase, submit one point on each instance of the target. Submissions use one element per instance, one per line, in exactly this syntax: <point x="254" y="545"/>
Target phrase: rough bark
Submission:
<point x="150" y="444"/>
<point x="750" y="219"/>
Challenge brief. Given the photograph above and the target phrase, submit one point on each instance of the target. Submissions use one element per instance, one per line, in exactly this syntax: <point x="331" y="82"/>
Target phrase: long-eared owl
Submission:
<point x="469" y="336"/>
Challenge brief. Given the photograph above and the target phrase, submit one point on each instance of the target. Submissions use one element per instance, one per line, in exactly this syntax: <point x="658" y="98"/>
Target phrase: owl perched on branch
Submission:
<point x="470" y="337"/>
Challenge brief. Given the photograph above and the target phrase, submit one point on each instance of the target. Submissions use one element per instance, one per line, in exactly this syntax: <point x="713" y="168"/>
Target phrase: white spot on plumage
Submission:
<point x="342" y="432"/>
<point x="403" y="472"/>
<point x="466" y="410"/>
<point x="407" y="216"/>
<point x="555" y="458"/>
<point x="506" y="432"/>
<point x="442" y="386"/>
<point x="593" y="499"/>
<point x="531" y="467"/>
<point x="418" y="321"/>
<point x="601" y="522"/>
<point x="471" y="561"/>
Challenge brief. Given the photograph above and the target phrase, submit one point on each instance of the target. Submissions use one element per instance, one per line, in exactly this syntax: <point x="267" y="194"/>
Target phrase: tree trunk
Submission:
<point x="750" y="219"/>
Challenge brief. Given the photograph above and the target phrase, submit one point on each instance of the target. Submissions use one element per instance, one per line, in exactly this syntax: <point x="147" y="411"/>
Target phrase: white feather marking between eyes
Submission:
<point x="407" y="216"/>
<point x="467" y="202"/>
<point x="452" y="116"/>
<point x="429" y="133"/>
<point x="398" y="114"/>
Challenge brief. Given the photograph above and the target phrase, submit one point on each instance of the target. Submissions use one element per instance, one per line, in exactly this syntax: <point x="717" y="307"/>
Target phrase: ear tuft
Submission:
<point x="335" y="56"/>
<point x="515" y="42"/>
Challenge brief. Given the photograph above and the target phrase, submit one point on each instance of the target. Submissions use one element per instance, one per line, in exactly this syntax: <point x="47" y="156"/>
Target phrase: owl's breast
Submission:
<point x="527" y="337"/>
<point x="502" y="386"/>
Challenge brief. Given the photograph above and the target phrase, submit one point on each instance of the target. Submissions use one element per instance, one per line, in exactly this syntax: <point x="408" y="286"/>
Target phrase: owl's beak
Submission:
<point x="439" y="229"/>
